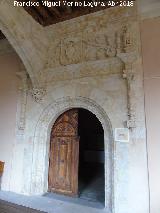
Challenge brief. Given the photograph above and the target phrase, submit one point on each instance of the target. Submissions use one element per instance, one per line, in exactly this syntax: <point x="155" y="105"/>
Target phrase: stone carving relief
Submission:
<point x="38" y="94"/>
<point x="113" y="42"/>
<point x="99" y="47"/>
<point x="91" y="44"/>
<point x="56" y="54"/>
<point x="70" y="51"/>
<point x="125" y="41"/>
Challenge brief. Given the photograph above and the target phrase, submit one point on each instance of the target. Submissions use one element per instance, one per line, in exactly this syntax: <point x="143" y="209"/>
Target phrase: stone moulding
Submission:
<point x="88" y="69"/>
<point x="39" y="176"/>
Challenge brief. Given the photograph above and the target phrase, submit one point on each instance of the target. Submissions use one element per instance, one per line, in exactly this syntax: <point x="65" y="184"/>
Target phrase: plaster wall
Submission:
<point x="149" y="8"/>
<point x="9" y="65"/>
<point x="150" y="30"/>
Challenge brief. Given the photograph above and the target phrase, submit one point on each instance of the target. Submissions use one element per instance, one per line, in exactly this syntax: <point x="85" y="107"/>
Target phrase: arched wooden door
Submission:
<point x="64" y="154"/>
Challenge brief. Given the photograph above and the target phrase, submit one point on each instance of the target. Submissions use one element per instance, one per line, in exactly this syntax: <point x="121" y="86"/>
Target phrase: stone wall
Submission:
<point x="9" y="88"/>
<point x="93" y="62"/>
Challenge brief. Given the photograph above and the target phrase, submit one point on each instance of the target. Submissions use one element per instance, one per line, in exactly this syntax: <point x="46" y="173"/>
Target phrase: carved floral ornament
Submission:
<point x="38" y="94"/>
<point x="91" y="45"/>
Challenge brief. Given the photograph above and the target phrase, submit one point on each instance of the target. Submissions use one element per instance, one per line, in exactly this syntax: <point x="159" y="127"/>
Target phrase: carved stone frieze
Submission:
<point x="91" y="44"/>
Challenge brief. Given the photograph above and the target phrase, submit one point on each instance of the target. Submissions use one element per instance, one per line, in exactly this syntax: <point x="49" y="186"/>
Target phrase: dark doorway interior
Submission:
<point x="91" y="157"/>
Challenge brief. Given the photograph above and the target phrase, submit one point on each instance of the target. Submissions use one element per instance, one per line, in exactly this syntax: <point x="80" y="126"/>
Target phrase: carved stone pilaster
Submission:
<point x="22" y="102"/>
<point x="128" y="74"/>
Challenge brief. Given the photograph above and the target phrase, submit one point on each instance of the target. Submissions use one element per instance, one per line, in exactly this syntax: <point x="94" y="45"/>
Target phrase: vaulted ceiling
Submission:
<point x="45" y="15"/>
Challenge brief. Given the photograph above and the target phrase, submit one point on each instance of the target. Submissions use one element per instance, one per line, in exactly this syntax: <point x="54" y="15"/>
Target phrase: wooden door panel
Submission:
<point x="64" y="155"/>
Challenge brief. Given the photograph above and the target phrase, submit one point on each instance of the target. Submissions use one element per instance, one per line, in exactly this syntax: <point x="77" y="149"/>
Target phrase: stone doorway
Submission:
<point x="81" y="175"/>
<point x="91" y="157"/>
<point x="40" y="165"/>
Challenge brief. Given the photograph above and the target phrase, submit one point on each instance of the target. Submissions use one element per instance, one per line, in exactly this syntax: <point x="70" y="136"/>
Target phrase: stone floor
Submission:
<point x="49" y="204"/>
<point x="91" y="197"/>
<point x="91" y="183"/>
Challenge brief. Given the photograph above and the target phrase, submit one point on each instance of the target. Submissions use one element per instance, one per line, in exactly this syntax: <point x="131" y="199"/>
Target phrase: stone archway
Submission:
<point x="20" y="51"/>
<point x="39" y="176"/>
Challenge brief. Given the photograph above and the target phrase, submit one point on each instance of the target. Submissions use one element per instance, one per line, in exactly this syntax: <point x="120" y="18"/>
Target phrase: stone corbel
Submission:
<point x="38" y="94"/>
<point x="130" y="77"/>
